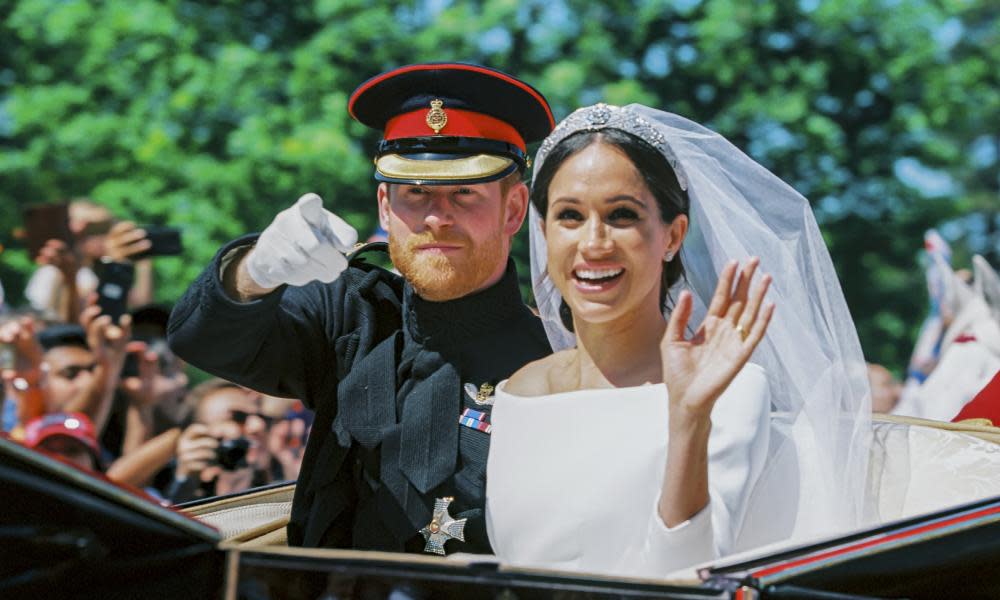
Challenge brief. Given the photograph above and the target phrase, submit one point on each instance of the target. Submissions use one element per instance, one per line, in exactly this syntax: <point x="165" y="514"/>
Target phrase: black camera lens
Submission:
<point x="232" y="454"/>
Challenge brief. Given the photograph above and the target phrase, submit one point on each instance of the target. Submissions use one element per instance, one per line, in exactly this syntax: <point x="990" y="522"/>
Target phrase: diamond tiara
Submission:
<point x="607" y="116"/>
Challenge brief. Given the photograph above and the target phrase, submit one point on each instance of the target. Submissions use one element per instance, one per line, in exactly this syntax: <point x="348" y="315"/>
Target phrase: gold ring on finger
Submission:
<point x="740" y="330"/>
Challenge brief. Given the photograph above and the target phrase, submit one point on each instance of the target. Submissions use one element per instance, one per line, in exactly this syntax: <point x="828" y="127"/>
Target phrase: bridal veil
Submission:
<point x="814" y="480"/>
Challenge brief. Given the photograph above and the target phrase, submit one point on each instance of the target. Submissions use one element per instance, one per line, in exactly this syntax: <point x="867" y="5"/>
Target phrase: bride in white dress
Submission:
<point x="647" y="444"/>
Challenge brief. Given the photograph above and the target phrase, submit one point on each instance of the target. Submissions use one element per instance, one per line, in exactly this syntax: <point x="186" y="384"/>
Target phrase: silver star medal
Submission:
<point x="442" y="527"/>
<point x="483" y="396"/>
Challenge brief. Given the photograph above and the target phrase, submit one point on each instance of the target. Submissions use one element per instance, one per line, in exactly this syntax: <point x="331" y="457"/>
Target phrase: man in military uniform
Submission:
<point x="399" y="369"/>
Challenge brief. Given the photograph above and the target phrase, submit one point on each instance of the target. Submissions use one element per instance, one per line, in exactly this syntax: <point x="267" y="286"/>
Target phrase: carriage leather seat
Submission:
<point x="916" y="466"/>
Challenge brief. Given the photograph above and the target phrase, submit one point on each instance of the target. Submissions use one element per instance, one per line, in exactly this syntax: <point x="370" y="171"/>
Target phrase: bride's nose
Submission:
<point x="596" y="239"/>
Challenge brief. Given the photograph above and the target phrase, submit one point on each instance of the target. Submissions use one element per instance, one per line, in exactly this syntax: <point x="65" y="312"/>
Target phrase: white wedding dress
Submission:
<point x="574" y="478"/>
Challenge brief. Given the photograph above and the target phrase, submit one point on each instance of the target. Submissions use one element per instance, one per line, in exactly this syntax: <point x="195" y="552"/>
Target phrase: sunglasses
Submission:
<point x="73" y="371"/>
<point x="240" y="417"/>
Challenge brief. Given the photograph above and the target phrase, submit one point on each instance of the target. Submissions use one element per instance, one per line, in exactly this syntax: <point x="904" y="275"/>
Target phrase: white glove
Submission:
<point x="303" y="243"/>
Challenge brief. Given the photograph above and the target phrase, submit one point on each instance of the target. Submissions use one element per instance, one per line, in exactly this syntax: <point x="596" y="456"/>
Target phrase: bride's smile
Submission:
<point x="606" y="237"/>
<point x="595" y="278"/>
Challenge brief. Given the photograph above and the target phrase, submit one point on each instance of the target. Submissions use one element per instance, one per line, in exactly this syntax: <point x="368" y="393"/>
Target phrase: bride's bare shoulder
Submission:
<point x="537" y="378"/>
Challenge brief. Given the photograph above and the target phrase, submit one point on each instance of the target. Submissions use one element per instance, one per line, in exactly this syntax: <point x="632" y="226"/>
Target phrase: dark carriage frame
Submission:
<point x="69" y="534"/>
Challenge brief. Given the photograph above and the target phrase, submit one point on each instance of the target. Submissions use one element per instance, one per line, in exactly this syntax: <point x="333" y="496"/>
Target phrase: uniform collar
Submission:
<point x="438" y="324"/>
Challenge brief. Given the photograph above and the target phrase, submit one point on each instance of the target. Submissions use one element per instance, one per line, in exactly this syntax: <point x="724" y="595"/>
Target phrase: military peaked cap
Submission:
<point x="450" y="123"/>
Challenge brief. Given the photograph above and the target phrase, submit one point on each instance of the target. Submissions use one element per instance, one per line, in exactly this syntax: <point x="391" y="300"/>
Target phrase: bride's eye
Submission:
<point x="569" y="214"/>
<point x="620" y="215"/>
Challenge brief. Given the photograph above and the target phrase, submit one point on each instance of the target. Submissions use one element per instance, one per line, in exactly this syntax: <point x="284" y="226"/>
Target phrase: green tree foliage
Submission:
<point x="212" y="116"/>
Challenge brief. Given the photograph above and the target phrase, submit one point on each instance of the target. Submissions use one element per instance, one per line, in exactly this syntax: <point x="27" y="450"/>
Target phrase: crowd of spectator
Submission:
<point x="103" y="391"/>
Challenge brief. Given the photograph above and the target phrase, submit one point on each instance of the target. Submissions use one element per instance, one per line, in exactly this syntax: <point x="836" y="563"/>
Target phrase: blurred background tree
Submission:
<point x="213" y="116"/>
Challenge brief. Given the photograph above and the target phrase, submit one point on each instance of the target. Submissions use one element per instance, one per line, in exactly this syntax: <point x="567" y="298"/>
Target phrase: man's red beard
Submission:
<point x="439" y="277"/>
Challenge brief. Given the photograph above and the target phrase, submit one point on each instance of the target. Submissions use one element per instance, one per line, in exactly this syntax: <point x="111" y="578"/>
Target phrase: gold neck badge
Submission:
<point x="436" y="117"/>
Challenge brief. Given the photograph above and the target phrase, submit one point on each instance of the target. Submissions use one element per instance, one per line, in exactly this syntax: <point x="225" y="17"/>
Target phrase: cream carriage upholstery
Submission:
<point x="255" y="519"/>
<point x="917" y="466"/>
<point x="920" y="466"/>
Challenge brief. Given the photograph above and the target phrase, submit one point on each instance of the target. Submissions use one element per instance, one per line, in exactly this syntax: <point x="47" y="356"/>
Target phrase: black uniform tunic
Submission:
<point x="384" y="370"/>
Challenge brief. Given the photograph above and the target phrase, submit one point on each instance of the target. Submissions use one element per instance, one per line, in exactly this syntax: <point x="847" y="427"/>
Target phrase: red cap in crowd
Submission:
<point x="72" y="425"/>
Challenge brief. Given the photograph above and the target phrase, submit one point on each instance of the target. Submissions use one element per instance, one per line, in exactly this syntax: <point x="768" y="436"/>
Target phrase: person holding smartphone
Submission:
<point x="128" y="243"/>
<point x="65" y="275"/>
<point x="82" y="364"/>
<point x="94" y="250"/>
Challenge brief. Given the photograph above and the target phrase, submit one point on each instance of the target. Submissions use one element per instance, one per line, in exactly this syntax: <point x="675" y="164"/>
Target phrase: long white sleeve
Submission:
<point x="737" y="452"/>
<point x="574" y="478"/>
<point x="668" y="549"/>
<point x="737" y="448"/>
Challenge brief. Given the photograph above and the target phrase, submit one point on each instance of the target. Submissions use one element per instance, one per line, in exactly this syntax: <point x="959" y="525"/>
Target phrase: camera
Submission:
<point x="232" y="454"/>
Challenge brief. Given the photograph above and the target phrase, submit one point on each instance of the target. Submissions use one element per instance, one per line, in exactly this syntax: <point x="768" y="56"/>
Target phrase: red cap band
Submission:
<point x="461" y="123"/>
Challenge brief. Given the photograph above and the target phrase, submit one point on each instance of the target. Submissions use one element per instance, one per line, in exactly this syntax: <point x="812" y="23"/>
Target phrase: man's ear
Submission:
<point x="517" y="207"/>
<point x="384" y="196"/>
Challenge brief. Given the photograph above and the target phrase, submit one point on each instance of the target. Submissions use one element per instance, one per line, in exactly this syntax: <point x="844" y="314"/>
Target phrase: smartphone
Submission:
<point x="44" y="222"/>
<point x="8" y="357"/>
<point x="166" y="241"/>
<point x="114" y="280"/>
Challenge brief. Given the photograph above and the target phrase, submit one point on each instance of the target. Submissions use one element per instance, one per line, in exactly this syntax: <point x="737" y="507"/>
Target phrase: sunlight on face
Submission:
<point x="447" y="241"/>
<point x="70" y="373"/>
<point x="231" y="413"/>
<point x="605" y="237"/>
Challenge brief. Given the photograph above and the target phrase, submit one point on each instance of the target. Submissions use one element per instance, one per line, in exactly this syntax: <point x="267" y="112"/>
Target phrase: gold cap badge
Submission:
<point x="436" y="117"/>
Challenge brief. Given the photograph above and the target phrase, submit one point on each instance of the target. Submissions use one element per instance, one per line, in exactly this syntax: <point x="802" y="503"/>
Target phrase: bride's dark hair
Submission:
<point x="656" y="172"/>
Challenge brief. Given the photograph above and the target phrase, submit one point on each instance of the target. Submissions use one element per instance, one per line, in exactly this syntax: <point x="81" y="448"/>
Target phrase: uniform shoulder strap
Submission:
<point x="357" y="255"/>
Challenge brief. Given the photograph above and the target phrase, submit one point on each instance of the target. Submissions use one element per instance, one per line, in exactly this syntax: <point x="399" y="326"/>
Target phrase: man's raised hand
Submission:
<point x="303" y="243"/>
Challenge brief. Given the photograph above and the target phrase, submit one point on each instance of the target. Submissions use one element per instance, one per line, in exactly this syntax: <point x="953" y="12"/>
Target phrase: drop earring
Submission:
<point x="669" y="256"/>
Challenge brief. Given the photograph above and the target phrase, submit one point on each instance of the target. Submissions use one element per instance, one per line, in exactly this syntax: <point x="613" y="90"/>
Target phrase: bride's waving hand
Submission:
<point x="696" y="372"/>
<point x="698" y="369"/>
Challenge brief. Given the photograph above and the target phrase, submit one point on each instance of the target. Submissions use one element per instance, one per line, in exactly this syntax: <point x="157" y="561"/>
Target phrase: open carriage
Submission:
<point x="68" y="534"/>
